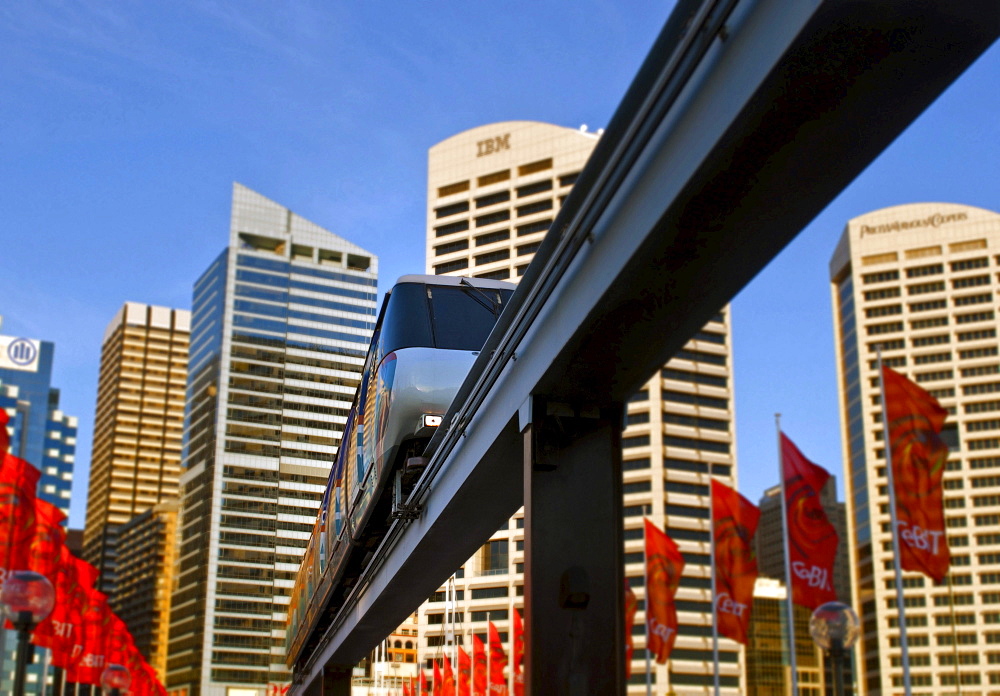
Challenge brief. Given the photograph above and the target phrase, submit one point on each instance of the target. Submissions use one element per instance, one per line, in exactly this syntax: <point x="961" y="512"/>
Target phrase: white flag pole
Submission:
<point x="789" y="606"/>
<point x="645" y="584"/>
<point x="907" y="689"/>
<point x="715" y="598"/>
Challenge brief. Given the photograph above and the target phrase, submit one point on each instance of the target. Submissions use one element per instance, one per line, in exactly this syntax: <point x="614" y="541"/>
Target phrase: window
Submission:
<point x="977" y="335"/>
<point x="977" y="353"/>
<point x="532" y="167"/>
<point x="452" y="228"/>
<point x="973" y="299"/>
<point x="461" y="245"/>
<point x="451" y="266"/>
<point x="494" y="178"/>
<point x="928" y="359"/>
<point x="931" y="340"/>
<point x="493" y="199"/>
<point x="489" y="592"/>
<point x="928" y="323"/>
<point x="452" y="189"/>
<point x="526" y="249"/>
<point x="969" y="264"/>
<point x="919" y="271"/>
<point x="924" y="288"/>
<point x="532" y="208"/>
<point x="492" y="257"/>
<point x="491" y="237"/>
<point x="533" y="227"/>
<point x="889" y="327"/>
<point x="883" y="311"/>
<point x="453" y="209"/>
<point x="974" y="316"/>
<point x="568" y="179"/>
<point x="883" y="294"/>
<point x="494" y="558"/>
<point x="928" y="306"/>
<point x="882" y="277"/>
<point x="492" y="218"/>
<point x="970" y="282"/>
<point x="537" y="187"/>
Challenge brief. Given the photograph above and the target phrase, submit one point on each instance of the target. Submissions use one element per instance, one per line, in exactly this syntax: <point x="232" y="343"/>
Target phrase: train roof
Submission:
<point x="456" y="280"/>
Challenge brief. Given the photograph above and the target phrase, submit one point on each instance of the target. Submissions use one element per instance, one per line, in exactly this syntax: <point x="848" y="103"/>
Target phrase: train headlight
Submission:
<point x="432" y="421"/>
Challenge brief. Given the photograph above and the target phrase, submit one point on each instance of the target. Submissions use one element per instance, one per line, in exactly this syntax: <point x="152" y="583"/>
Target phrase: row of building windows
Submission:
<point x="505" y="175"/>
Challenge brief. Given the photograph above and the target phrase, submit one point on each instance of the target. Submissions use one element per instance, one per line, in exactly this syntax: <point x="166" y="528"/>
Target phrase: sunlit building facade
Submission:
<point x="281" y="321"/>
<point x="135" y="461"/>
<point x="493" y="192"/>
<point x="922" y="281"/>
<point x="768" y="660"/>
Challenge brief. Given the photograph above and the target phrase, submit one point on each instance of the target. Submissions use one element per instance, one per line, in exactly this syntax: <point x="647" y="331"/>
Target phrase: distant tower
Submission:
<point x="40" y="434"/>
<point x="281" y="323"/>
<point x="493" y="192"/>
<point x="136" y="459"/>
<point x="923" y="282"/>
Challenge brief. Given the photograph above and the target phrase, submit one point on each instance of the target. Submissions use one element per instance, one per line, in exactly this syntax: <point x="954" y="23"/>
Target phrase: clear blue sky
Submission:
<point x="124" y="124"/>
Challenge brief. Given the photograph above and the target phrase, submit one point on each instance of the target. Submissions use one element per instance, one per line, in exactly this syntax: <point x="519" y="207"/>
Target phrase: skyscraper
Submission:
<point x="42" y="435"/>
<point x="493" y="192"/>
<point x="136" y="458"/>
<point x="281" y="321"/>
<point x="921" y="281"/>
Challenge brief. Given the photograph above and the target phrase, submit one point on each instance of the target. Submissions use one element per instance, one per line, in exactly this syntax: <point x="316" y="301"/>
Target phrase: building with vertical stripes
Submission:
<point x="923" y="282"/>
<point x="493" y="193"/>
<point x="135" y="461"/>
<point x="281" y="322"/>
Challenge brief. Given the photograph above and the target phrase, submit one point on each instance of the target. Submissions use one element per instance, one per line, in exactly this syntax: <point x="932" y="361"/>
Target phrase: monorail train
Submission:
<point x="429" y="331"/>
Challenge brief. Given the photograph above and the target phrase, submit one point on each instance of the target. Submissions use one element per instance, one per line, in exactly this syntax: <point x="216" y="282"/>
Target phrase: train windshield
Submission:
<point x="440" y="316"/>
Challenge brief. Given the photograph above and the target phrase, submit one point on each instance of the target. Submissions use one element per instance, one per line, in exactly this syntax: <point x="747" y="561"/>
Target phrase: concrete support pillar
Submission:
<point x="573" y="570"/>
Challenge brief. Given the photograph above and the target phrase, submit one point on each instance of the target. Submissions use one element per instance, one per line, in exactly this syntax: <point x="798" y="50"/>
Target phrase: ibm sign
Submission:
<point x="19" y="353"/>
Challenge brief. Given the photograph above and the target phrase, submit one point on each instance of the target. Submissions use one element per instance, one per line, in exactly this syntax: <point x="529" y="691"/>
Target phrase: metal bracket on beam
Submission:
<point x="401" y="510"/>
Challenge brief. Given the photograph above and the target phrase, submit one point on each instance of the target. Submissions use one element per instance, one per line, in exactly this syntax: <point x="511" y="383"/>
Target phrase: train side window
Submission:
<point x="463" y="317"/>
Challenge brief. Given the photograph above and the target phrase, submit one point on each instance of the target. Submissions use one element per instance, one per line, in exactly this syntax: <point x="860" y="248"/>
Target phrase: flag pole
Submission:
<point x="645" y="584"/>
<point x="900" y="606"/>
<point x="789" y="604"/>
<point x="715" y="602"/>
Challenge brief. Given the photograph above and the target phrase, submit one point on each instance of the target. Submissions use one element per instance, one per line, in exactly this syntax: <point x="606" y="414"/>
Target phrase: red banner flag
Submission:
<point x="919" y="457"/>
<point x="734" y="522"/>
<point x="423" y="683"/>
<point x="464" y="673"/>
<point x="498" y="662"/>
<point x="63" y="628"/>
<point x="631" y="604"/>
<point x="406" y="690"/>
<point x="18" y="483"/>
<point x="88" y="660"/>
<point x="49" y="537"/>
<point x="664" y="565"/>
<point x="478" y="667"/>
<point x="4" y="435"/>
<point x="812" y="540"/>
<point x="436" y="680"/>
<point x="517" y="653"/>
<point x="447" y="679"/>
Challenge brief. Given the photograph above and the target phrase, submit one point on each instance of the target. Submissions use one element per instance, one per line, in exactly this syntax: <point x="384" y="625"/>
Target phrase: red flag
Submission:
<point x="436" y="681"/>
<point x="447" y="679"/>
<point x="423" y="683"/>
<point x="18" y="482"/>
<point x="4" y="435"/>
<point x="631" y="604"/>
<point x="406" y="690"/>
<point x="498" y="661"/>
<point x="734" y="522"/>
<point x="919" y="456"/>
<point x="812" y="540"/>
<point x="64" y="626"/>
<point x="517" y="654"/>
<point x="664" y="565"/>
<point x="49" y="537"/>
<point x="478" y="667"/>
<point x="88" y="659"/>
<point x="464" y="672"/>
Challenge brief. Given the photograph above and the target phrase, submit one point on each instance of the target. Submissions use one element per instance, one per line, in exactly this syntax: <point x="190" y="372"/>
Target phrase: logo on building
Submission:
<point x="491" y="145"/>
<point x="22" y="352"/>
<point x="935" y="220"/>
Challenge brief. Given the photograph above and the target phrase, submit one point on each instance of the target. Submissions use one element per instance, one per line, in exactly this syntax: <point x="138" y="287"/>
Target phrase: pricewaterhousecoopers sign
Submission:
<point x="935" y="220"/>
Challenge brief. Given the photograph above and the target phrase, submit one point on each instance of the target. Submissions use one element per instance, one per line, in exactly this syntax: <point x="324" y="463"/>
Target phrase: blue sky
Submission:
<point x="124" y="124"/>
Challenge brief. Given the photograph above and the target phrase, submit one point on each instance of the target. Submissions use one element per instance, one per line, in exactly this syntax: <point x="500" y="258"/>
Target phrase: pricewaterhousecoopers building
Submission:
<point x="281" y="321"/>
<point x="923" y="282"/>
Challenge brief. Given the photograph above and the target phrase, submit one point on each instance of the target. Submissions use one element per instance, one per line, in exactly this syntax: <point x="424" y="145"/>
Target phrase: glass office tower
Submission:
<point x="281" y="321"/>
<point x="43" y="435"/>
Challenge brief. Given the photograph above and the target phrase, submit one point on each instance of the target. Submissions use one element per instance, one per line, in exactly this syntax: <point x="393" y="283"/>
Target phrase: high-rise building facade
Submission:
<point x="767" y="656"/>
<point x="147" y="554"/>
<point x="493" y="192"/>
<point x="281" y="321"/>
<point x="43" y="435"/>
<point x="922" y="281"/>
<point x="135" y="462"/>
